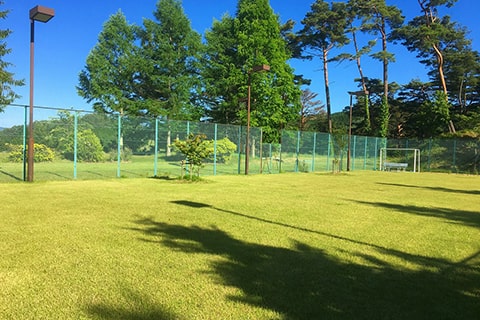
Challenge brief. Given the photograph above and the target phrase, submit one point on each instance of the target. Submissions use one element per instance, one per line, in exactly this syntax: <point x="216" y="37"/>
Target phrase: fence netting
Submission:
<point x="77" y="144"/>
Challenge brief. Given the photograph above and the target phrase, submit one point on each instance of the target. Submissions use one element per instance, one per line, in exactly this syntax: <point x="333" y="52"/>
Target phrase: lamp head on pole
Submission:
<point x="261" y="67"/>
<point x="41" y="13"/>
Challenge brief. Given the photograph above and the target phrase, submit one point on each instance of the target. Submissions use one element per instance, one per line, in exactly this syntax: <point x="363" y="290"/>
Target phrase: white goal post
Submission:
<point x="390" y="159"/>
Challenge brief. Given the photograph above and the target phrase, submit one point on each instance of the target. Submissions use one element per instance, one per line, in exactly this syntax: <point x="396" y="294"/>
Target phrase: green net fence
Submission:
<point x="442" y="155"/>
<point x="75" y="144"/>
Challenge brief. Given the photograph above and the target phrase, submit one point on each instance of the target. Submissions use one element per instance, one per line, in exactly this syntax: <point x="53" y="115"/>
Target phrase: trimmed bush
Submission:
<point x="42" y="153"/>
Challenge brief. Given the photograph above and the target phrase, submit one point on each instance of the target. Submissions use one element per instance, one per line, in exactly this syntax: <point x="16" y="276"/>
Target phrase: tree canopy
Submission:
<point x="235" y="46"/>
<point x="7" y="79"/>
<point x="162" y="68"/>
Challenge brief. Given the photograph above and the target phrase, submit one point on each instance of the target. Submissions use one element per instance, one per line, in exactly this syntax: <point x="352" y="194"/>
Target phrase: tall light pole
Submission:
<point x="41" y="14"/>
<point x="352" y="93"/>
<point x="258" y="68"/>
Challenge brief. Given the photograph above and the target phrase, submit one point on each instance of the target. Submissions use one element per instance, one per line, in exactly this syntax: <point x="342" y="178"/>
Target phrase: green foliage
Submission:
<point x="432" y="36"/>
<point x="61" y="137"/>
<point x="13" y="135"/>
<point x="433" y="116"/>
<point x="169" y="54"/>
<point x="324" y="29"/>
<point x="89" y="148"/>
<point x="161" y="68"/>
<point x="7" y="81"/>
<point x="339" y="145"/>
<point x="195" y="149"/>
<point x="15" y="152"/>
<point x="125" y="154"/>
<point x="384" y="118"/>
<point x="109" y="76"/>
<point x="42" y="153"/>
<point x="150" y="70"/>
<point x="104" y="126"/>
<point x="234" y="46"/>
<point x="224" y="147"/>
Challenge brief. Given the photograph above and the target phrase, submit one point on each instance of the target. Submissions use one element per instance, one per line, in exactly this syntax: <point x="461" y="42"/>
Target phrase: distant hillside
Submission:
<point x="2" y="128"/>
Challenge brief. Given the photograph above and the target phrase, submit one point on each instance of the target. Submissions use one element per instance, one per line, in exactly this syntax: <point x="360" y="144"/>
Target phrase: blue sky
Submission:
<point x="62" y="45"/>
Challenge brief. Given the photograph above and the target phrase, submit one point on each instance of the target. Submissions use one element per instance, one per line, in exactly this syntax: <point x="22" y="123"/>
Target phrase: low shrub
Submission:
<point x="42" y="153"/>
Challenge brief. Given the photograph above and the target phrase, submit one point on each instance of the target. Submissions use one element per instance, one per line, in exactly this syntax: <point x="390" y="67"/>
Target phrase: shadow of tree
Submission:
<point x="467" y="218"/>
<point x="304" y="282"/>
<point x="416" y="259"/>
<point x="441" y="189"/>
<point x="139" y="308"/>
<point x="56" y="174"/>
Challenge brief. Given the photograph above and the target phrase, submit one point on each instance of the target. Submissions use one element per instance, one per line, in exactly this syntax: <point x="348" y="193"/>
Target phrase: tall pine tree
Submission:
<point x="324" y="29"/>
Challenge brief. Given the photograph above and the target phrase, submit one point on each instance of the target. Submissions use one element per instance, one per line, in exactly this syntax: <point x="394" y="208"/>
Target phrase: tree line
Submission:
<point x="164" y="68"/>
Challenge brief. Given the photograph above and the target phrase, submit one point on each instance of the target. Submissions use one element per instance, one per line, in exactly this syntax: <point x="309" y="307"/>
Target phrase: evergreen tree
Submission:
<point x="222" y="73"/>
<point x="7" y="81"/>
<point x="234" y="47"/>
<point x="378" y="18"/>
<point x="354" y="14"/>
<point x="110" y="74"/>
<point x="429" y="35"/>
<point x="324" y="29"/>
<point x="170" y="51"/>
<point x="462" y="74"/>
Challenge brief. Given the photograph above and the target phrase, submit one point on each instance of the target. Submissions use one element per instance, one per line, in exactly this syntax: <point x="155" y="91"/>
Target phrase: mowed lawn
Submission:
<point x="363" y="245"/>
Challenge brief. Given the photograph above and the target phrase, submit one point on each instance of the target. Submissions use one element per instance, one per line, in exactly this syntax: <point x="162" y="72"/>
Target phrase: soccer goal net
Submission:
<point x="400" y="159"/>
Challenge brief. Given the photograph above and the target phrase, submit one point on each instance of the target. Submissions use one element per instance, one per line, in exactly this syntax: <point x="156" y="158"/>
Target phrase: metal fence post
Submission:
<point x="75" y="144"/>
<point x="25" y="145"/>
<point x="280" y="158"/>
<point x="297" y="152"/>
<point x="328" y="151"/>
<point x="260" y="151"/>
<point x="365" y="154"/>
<point x="215" y="151"/>
<point x="314" y="150"/>
<point x="119" y="143"/>
<point x="354" y="147"/>
<point x="455" y="154"/>
<point x="429" y="153"/>
<point x="155" y="160"/>
<point x="239" y="147"/>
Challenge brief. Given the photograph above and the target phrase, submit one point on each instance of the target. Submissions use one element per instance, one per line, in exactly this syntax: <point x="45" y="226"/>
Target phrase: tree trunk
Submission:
<point x="430" y="18"/>
<point x="327" y="90"/>
<point x="169" y="143"/>
<point x="368" y="123"/>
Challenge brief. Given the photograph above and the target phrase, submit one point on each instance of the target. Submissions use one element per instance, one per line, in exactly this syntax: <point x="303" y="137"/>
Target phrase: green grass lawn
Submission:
<point x="143" y="166"/>
<point x="364" y="245"/>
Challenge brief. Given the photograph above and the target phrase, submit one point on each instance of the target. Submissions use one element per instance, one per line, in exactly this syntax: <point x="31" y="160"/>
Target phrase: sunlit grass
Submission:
<point x="292" y="246"/>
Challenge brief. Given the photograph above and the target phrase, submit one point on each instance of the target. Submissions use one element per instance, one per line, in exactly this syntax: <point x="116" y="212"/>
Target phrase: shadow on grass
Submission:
<point x="441" y="189"/>
<point x="163" y="177"/>
<point x="56" y="174"/>
<point x="303" y="282"/>
<point x="93" y="173"/>
<point x="416" y="259"/>
<point x="11" y="175"/>
<point x="136" y="174"/>
<point x="139" y="308"/>
<point x="464" y="217"/>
